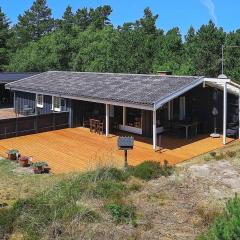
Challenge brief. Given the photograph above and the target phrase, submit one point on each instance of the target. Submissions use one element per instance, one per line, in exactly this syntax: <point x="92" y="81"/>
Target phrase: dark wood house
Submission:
<point x="6" y="96"/>
<point x="147" y="105"/>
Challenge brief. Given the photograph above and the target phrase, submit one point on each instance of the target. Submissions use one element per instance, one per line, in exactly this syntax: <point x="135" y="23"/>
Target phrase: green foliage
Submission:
<point x="40" y="164"/>
<point x="13" y="151"/>
<point x="63" y="202"/>
<point x="34" y="23"/>
<point x="4" y="36"/>
<point x="151" y="169"/>
<point x="121" y="213"/>
<point x="226" y="227"/>
<point x="85" y="40"/>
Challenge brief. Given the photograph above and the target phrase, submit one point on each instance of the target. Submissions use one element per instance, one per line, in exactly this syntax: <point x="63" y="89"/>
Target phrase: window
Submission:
<point x="56" y="104"/>
<point x="39" y="99"/>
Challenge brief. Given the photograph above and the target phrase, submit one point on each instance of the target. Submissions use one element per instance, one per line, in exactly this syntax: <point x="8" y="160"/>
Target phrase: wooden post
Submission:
<point x="54" y="121"/>
<point x="169" y="110"/>
<point x="107" y="120"/>
<point x="225" y="113"/>
<point x="124" y="116"/>
<point x="125" y="159"/>
<point x="154" y="130"/>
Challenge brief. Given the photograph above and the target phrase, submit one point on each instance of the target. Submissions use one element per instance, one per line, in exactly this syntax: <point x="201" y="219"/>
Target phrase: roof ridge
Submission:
<point x="132" y="74"/>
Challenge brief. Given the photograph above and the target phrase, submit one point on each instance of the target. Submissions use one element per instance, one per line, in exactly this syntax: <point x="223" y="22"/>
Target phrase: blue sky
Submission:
<point x="181" y="13"/>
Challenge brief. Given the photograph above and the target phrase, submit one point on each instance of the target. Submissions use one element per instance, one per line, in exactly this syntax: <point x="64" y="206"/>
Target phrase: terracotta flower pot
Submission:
<point x="23" y="161"/>
<point x="12" y="156"/>
<point x="38" y="170"/>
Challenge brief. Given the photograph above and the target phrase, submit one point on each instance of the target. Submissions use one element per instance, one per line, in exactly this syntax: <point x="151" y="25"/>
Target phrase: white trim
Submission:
<point x="217" y="80"/>
<point x="107" y="120"/>
<point x="225" y="113"/>
<point x="54" y="108"/>
<point x="231" y="88"/>
<point x="178" y="93"/>
<point x="154" y="130"/>
<point x="130" y="129"/>
<point x="37" y="104"/>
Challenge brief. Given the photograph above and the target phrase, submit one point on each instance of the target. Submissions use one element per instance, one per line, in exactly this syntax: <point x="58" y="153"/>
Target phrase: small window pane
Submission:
<point x="39" y="100"/>
<point x="56" y="103"/>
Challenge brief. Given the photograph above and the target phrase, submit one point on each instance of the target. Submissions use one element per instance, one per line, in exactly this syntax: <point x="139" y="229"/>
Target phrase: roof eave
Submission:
<point x="103" y="101"/>
<point x="178" y="93"/>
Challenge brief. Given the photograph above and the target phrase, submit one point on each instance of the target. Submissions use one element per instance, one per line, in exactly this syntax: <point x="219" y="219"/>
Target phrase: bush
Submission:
<point x="228" y="225"/>
<point x="213" y="154"/>
<point x="231" y="154"/>
<point x="121" y="213"/>
<point x="151" y="169"/>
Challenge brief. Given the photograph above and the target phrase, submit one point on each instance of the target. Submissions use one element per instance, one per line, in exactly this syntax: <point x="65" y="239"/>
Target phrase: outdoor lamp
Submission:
<point x="215" y="113"/>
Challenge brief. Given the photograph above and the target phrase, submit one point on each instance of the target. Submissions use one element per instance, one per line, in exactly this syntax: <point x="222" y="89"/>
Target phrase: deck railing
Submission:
<point x="20" y="126"/>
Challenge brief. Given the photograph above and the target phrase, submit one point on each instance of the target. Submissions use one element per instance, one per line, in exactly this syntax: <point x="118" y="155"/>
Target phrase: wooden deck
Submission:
<point x="77" y="149"/>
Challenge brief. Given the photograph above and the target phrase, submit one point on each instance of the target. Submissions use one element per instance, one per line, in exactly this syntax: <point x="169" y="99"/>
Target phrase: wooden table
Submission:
<point x="187" y="126"/>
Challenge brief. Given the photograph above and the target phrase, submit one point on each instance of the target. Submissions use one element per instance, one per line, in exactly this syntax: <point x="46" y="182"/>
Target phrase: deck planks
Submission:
<point x="77" y="149"/>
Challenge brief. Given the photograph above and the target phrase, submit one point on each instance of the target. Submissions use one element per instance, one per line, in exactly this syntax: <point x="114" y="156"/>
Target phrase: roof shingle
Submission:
<point x="125" y="88"/>
<point x="7" y="77"/>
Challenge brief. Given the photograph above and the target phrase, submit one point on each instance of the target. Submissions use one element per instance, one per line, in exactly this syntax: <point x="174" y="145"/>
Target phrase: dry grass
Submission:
<point x="15" y="185"/>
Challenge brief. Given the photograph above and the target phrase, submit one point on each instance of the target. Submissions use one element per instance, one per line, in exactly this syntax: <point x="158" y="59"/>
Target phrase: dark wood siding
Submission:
<point x="147" y="123"/>
<point x="24" y="99"/>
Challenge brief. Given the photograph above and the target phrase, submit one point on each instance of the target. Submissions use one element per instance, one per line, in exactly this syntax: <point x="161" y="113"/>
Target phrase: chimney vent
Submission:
<point x="164" y="73"/>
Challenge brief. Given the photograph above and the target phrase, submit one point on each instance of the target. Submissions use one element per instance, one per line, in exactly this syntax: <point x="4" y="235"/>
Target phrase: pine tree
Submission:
<point x="68" y="21"/>
<point x="4" y="36"/>
<point x="35" y="22"/>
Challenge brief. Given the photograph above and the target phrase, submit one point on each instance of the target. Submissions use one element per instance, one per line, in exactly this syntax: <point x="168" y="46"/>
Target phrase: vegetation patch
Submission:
<point x="122" y="213"/>
<point x="227" y="225"/>
<point x="151" y="170"/>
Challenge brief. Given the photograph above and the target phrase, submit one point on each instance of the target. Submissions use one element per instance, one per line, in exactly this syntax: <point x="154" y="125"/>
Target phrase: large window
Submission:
<point x="56" y="104"/>
<point x="39" y="99"/>
<point x="134" y="117"/>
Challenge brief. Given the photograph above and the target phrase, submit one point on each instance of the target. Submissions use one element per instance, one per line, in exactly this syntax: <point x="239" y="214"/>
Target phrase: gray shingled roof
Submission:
<point x="7" y="77"/>
<point x="124" y="88"/>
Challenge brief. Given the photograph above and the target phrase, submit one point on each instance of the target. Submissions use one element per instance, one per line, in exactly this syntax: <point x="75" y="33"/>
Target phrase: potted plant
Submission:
<point x="23" y="161"/>
<point x="40" y="167"/>
<point x="13" y="154"/>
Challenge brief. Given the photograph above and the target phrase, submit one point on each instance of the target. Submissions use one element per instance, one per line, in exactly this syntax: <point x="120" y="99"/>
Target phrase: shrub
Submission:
<point x="226" y="226"/>
<point x="219" y="157"/>
<point x="104" y="174"/>
<point x="231" y="154"/>
<point x="121" y="213"/>
<point x="108" y="189"/>
<point x="151" y="169"/>
<point x="213" y="154"/>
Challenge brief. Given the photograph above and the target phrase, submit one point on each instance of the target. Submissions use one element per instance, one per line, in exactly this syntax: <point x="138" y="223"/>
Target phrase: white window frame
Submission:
<point x="39" y="105"/>
<point x="56" y="109"/>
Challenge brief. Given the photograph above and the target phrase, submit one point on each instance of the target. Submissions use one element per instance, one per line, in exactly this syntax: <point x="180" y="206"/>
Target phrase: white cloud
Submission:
<point x="209" y="4"/>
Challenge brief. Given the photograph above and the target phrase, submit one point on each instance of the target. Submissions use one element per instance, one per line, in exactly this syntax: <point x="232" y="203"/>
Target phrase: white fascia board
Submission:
<point x="130" y="105"/>
<point x="217" y="80"/>
<point x="230" y="88"/>
<point x="160" y="103"/>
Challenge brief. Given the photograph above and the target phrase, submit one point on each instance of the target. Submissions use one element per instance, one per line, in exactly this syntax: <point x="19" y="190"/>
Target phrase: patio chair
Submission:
<point x="92" y="125"/>
<point x="100" y="127"/>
